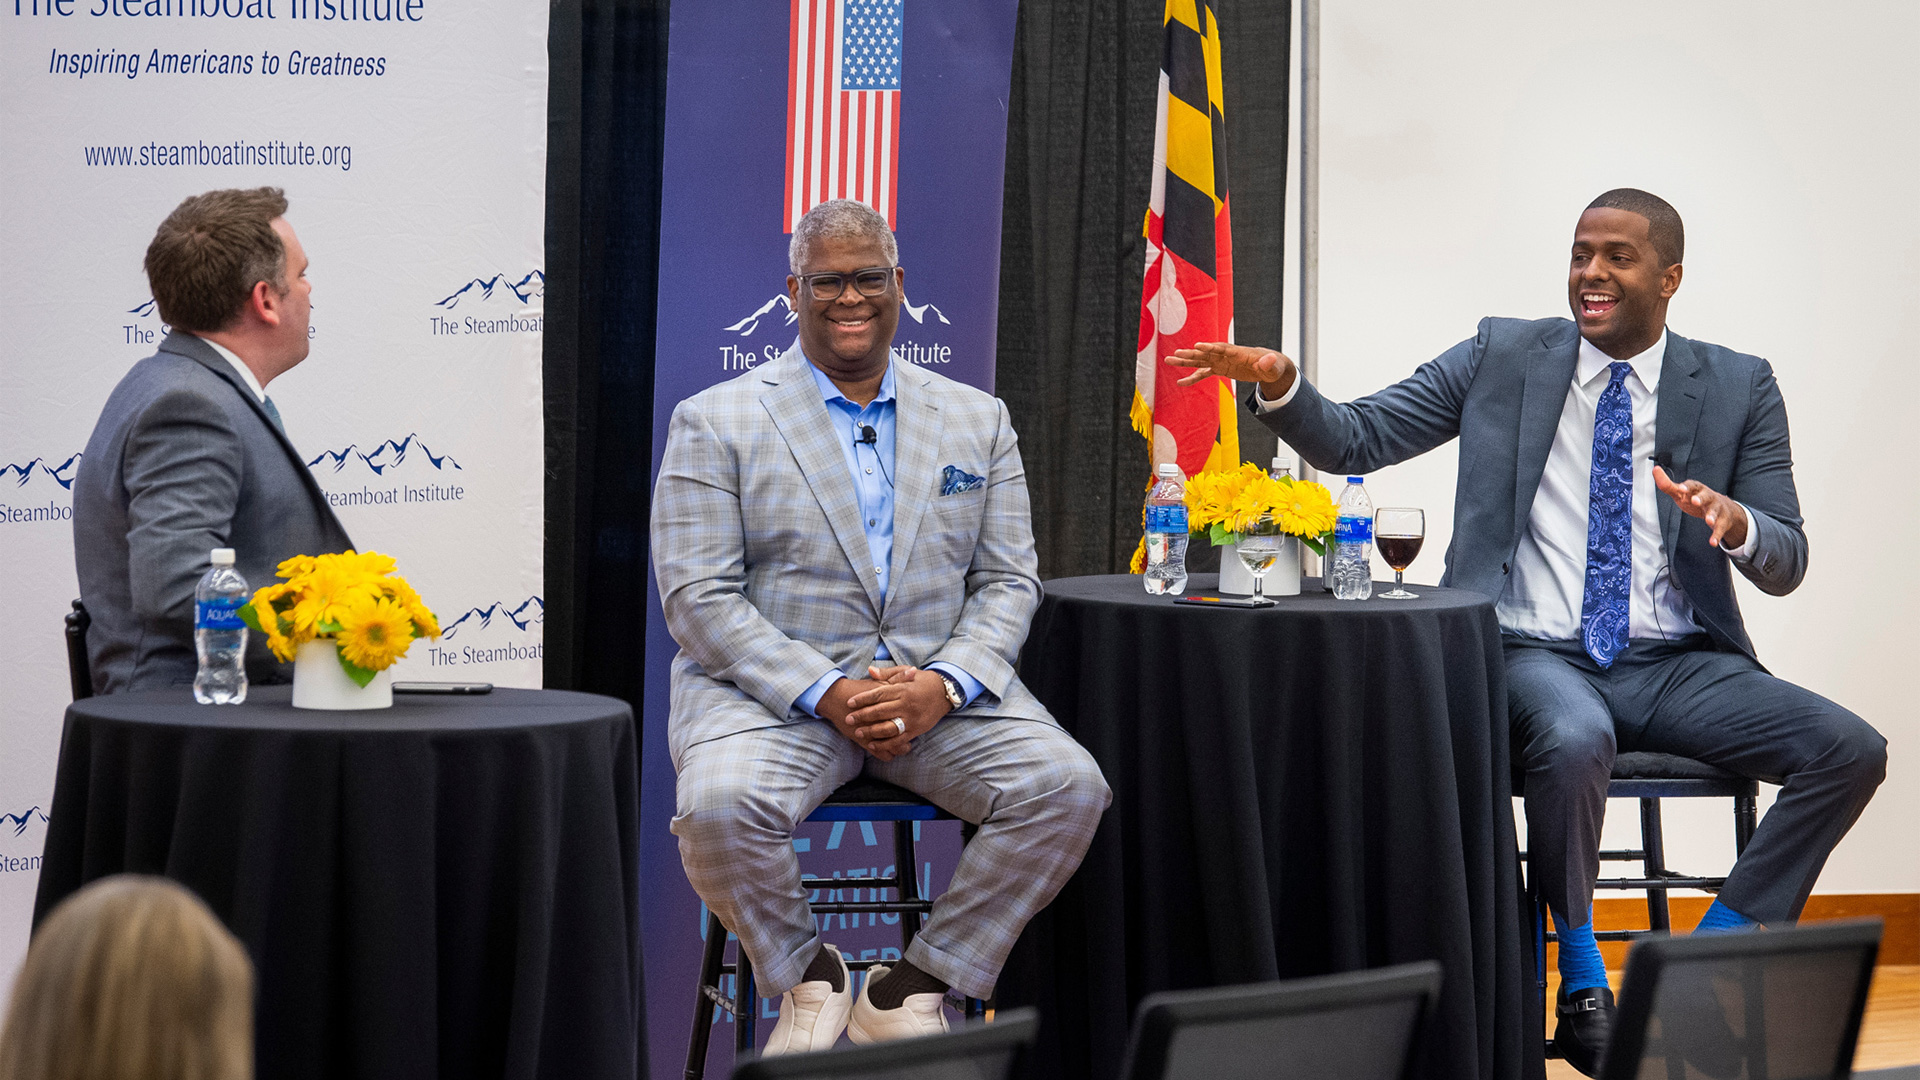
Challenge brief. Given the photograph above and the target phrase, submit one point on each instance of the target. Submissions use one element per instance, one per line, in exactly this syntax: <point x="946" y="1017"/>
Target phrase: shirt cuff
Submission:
<point x="809" y="702"/>
<point x="1744" y="552"/>
<point x="970" y="687"/>
<point x="1262" y="405"/>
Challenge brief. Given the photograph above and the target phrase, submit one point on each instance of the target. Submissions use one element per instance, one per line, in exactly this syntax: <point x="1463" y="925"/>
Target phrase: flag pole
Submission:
<point x="1309" y="358"/>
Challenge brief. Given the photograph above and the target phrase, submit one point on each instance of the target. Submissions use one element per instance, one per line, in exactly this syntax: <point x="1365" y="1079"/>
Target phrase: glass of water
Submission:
<point x="1258" y="548"/>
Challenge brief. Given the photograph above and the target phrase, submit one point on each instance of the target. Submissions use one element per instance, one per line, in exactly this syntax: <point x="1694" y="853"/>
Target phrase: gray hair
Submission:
<point x="840" y="218"/>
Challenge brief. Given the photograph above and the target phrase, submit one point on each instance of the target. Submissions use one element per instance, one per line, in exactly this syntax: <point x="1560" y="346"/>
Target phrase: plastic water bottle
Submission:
<point x="1166" y="533"/>
<point x="219" y="637"/>
<point x="1282" y="467"/>
<point x="1353" y="543"/>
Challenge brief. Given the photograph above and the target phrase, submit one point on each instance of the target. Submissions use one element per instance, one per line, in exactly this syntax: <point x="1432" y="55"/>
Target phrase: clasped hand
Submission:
<point x="864" y="710"/>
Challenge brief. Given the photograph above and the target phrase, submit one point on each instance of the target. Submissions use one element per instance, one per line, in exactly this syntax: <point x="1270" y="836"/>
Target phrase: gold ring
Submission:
<point x="901" y="724"/>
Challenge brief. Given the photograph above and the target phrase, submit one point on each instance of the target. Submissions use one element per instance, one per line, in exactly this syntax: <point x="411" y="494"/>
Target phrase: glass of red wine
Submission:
<point x="1397" y="535"/>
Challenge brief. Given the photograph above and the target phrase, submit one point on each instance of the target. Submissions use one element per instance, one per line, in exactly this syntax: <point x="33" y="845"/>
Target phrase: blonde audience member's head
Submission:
<point x="131" y="978"/>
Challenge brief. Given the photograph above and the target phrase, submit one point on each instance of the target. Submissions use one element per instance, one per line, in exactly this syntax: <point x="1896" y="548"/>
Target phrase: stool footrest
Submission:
<point x="862" y="907"/>
<point x="850" y="882"/>
<point x="1675" y="881"/>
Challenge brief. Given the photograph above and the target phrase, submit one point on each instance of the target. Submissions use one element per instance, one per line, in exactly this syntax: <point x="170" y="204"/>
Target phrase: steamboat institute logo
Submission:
<point x="498" y="304"/>
<point x="43" y="488"/>
<point x="26" y="831"/>
<point x="393" y="472"/>
<point x="777" y="314"/>
<point x="486" y="635"/>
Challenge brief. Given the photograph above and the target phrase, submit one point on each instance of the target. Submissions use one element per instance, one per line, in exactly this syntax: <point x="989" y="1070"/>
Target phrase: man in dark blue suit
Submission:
<point x="1612" y="474"/>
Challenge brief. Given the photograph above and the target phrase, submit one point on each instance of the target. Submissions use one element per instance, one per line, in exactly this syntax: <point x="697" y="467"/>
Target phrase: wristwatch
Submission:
<point x="954" y="697"/>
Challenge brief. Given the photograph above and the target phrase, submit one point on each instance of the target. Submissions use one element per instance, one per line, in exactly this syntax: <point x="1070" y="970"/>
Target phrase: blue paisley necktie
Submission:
<point x="1603" y="608"/>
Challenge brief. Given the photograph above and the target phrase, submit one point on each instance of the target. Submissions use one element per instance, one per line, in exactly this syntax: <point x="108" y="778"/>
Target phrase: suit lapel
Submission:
<point x="1549" y="378"/>
<point x="198" y="350"/>
<point x="793" y="401"/>
<point x="917" y="431"/>
<point x="1676" y="415"/>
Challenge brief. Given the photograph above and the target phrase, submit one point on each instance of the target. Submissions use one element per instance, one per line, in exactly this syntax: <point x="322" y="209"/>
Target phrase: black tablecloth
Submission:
<point x="448" y="888"/>
<point x="1315" y="787"/>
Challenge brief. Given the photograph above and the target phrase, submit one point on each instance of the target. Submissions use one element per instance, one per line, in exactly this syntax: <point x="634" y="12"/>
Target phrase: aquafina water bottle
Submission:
<point x="1166" y="533"/>
<point x="219" y="637"/>
<point x="1353" y="543"/>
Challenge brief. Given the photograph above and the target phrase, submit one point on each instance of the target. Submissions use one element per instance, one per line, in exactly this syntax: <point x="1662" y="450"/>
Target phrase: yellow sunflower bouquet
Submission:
<point x="1224" y="502"/>
<point x="354" y="598"/>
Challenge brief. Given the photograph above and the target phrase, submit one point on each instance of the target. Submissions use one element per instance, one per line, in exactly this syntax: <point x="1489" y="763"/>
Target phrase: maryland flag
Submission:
<point x="1187" y="296"/>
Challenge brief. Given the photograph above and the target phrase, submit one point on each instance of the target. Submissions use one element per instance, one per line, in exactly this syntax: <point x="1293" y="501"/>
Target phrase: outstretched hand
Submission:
<point x="1241" y="363"/>
<point x="1727" y="519"/>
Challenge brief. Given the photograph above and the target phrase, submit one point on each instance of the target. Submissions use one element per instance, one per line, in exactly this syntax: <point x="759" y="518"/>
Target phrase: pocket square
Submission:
<point x="954" y="480"/>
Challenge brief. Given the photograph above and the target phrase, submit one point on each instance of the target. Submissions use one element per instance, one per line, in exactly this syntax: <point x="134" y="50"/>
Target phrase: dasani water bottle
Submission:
<point x="1353" y="543"/>
<point x="1166" y="533"/>
<point x="219" y="637"/>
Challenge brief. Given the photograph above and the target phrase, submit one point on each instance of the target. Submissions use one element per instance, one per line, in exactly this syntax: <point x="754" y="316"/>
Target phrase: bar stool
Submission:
<point x="1650" y="777"/>
<point x="861" y="799"/>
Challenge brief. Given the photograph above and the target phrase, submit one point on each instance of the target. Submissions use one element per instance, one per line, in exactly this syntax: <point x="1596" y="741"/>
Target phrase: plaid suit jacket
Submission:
<point x="763" y="566"/>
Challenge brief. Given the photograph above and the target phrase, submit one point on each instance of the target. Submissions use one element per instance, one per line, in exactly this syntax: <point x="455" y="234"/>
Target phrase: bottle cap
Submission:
<point x="223" y="556"/>
<point x="1356" y="479"/>
<point x="1284" y="461"/>
<point x="1169" y="469"/>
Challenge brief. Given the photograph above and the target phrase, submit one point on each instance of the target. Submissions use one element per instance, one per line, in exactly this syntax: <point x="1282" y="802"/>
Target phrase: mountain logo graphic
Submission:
<point x="142" y="311"/>
<point x="389" y="454"/>
<point x="20" y="474"/>
<point x="745" y="327"/>
<point x="19" y="822"/>
<point x="480" y="290"/>
<point x="530" y="611"/>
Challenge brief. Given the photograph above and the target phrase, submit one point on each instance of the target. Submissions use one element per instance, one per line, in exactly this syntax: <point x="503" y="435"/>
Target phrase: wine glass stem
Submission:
<point x="1259" y="586"/>
<point x="1397" y="587"/>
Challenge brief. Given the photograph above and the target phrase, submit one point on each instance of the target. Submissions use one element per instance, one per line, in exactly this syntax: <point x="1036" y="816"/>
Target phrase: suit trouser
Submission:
<point x="1035" y="793"/>
<point x="1570" y="717"/>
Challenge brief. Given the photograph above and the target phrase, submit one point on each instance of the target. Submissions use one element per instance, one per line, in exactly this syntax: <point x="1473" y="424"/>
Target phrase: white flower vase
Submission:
<point x="319" y="682"/>
<point x="1282" y="580"/>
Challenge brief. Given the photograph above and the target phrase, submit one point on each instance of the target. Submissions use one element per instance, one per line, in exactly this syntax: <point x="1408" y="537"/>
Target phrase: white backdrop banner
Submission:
<point x="410" y="136"/>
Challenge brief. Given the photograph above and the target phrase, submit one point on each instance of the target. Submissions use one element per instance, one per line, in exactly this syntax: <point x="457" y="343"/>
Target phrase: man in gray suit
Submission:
<point x="189" y="454"/>
<point x="833" y="514"/>
<point x="1610" y="575"/>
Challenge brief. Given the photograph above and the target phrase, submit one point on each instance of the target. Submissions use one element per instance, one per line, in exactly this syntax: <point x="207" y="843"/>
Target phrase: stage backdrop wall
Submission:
<point x="410" y="136"/>
<point x="725" y="214"/>
<point x="1460" y="144"/>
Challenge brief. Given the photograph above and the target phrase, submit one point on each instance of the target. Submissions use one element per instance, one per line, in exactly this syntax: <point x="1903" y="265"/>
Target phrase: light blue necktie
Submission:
<point x="1603" y="607"/>
<point x="273" y="414"/>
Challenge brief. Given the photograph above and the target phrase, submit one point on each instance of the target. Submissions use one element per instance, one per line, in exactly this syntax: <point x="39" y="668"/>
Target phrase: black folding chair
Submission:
<point x="1770" y="1005"/>
<point x="1361" y="1025"/>
<point x="978" y="1052"/>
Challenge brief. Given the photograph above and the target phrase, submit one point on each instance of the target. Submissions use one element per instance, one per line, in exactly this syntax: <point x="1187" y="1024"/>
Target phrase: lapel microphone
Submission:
<point x="868" y="436"/>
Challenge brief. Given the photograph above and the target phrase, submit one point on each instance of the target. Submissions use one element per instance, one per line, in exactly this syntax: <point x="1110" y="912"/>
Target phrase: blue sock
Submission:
<point x="1721" y="919"/>
<point x="1580" y="965"/>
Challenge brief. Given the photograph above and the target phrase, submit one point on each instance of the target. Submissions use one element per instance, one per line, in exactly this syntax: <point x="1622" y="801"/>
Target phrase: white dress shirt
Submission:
<point x="239" y="365"/>
<point x="1548" y="582"/>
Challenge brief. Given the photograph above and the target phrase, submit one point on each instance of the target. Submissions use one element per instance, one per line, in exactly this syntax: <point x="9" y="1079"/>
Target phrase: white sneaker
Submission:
<point x="812" y="1015"/>
<point x="919" y="1014"/>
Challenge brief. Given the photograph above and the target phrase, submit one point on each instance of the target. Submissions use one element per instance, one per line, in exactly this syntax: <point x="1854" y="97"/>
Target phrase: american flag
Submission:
<point x="843" y="104"/>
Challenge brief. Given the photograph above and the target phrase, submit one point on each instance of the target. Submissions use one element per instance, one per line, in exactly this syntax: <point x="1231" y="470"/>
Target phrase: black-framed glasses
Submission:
<point x="872" y="281"/>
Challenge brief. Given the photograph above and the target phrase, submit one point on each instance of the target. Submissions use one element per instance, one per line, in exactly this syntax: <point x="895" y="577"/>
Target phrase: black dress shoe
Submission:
<point x="1586" y="1023"/>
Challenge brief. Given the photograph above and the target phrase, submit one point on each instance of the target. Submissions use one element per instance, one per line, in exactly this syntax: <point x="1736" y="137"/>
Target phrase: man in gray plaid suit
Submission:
<point x="835" y="514"/>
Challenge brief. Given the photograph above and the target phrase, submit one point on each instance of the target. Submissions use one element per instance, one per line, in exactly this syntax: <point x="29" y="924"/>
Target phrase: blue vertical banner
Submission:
<point x="773" y="107"/>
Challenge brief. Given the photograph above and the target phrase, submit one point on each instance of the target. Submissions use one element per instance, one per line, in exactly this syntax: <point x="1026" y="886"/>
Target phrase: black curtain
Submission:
<point x="606" y="123"/>
<point x="1079" y="161"/>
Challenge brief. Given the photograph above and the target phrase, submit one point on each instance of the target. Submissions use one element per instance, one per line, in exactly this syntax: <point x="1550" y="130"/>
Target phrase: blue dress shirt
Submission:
<point x="871" y="466"/>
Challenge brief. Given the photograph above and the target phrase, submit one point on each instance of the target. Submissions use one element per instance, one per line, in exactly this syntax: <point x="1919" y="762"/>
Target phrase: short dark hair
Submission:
<point x="1669" y="237"/>
<point x="211" y="251"/>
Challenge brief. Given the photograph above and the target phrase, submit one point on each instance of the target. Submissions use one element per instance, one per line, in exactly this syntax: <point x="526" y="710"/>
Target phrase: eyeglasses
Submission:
<point x="872" y="281"/>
